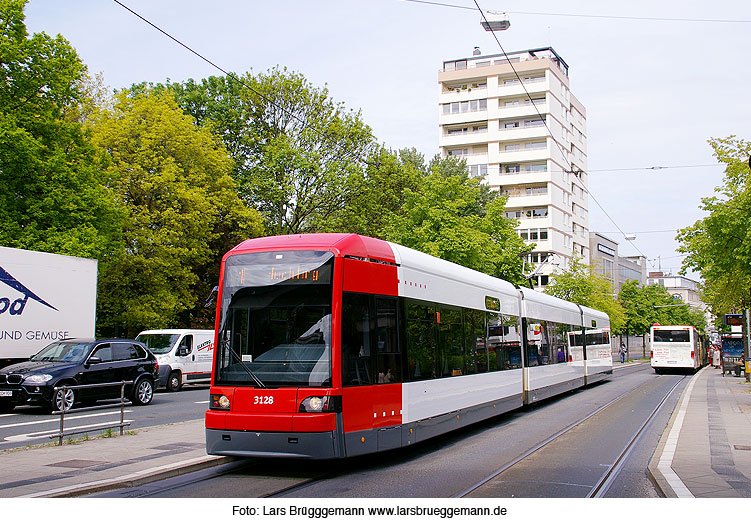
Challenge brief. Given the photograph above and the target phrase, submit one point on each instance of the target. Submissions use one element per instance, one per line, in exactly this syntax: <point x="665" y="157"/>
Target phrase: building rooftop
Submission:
<point x="477" y="61"/>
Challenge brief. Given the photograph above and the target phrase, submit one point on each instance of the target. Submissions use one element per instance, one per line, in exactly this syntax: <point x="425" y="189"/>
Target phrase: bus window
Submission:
<point x="671" y="335"/>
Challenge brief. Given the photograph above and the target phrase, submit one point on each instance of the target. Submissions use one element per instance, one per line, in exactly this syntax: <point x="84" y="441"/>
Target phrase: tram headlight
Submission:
<point x="321" y="404"/>
<point x="219" y="402"/>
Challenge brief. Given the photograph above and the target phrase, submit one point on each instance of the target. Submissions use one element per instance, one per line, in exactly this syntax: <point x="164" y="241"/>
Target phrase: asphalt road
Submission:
<point x="32" y="425"/>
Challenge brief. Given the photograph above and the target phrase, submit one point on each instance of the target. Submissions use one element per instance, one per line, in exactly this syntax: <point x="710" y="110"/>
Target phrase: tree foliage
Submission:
<point x="719" y="245"/>
<point x="653" y="304"/>
<point x="51" y="195"/>
<point x="581" y="285"/>
<point x="379" y="193"/>
<point x="299" y="157"/>
<point x="174" y="180"/>
<point x="457" y="218"/>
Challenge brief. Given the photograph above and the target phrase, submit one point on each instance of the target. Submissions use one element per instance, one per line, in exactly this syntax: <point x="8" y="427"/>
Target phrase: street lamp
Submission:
<point x="495" y="21"/>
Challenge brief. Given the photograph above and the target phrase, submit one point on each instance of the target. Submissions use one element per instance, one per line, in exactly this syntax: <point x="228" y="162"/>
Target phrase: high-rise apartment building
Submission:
<point x="514" y="119"/>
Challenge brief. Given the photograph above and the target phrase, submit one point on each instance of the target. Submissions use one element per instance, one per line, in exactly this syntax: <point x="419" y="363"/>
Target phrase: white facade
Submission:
<point x="513" y="118"/>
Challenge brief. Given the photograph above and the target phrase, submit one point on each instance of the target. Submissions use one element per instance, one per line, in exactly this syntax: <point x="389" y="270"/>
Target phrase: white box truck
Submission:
<point x="43" y="298"/>
<point x="184" y="355"/>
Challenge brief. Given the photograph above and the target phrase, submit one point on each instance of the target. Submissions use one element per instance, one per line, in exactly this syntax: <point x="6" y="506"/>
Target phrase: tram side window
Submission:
<point x="420" y="335"/>
<point x="389" y="359"/>
<point x="477" y="341"/>
<point x="509" y="352"/>
<point x="534" y="338"/>
<point x="356" y="334"/>
<point x="450" y="342"/>
<point x="547" y="342"/>
<point x="558" y="342"/>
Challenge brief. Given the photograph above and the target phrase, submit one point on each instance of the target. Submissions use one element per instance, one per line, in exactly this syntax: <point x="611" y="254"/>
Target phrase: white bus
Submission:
<point x="675" y="347"/>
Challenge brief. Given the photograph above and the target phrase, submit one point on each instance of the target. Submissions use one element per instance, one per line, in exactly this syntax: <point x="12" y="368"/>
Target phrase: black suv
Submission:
<point x="80" y="362"/>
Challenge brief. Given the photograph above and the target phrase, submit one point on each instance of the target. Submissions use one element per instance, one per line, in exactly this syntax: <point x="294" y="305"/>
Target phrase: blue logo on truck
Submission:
<point x="17" y="306"/>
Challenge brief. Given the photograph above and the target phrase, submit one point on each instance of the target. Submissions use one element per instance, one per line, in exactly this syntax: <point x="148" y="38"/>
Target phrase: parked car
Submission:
<point x="80" y="362"/>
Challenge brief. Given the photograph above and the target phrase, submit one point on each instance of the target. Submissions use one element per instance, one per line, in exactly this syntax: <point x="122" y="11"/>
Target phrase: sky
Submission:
<point x="654" y="90"/>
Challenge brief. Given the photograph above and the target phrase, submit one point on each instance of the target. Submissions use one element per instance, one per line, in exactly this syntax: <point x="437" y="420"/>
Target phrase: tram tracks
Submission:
<point x="603" y="484"/>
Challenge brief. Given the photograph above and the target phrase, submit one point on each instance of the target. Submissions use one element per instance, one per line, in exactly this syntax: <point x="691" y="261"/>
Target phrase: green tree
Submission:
<point x="719" y="245"/>
<point x="299" y="157"/>
<point x="51" y="194"/>
<point x="377" y="194"/>
<point x="183" y="213"/>
<point x="457" y="218"/>
<point x="581" y="285"/>
<point x="653" y="304"/>
<point x="638" y="311"/>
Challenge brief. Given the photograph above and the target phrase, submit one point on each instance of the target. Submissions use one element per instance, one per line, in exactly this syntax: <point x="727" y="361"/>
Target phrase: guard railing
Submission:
<point x="122" y="403"/>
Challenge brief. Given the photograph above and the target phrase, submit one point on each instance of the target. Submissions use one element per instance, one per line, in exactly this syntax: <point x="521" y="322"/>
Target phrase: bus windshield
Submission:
<point x="275" y="325"/>
<point x="671" y="335"/>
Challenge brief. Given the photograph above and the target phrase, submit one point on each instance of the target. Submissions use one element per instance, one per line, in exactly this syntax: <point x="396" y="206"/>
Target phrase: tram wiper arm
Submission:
<point x="239" y="359"/>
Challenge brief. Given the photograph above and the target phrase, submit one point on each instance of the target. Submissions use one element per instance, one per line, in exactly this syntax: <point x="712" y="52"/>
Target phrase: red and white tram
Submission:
<point x="336" y="345"/>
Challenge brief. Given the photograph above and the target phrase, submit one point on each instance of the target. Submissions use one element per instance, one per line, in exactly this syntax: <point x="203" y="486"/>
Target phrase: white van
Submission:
<point x="184" y="355"/>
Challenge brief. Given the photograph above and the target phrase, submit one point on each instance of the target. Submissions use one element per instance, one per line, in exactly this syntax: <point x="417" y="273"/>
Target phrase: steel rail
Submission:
<point x="603" y="485"/>
<point x="548" y="440"/>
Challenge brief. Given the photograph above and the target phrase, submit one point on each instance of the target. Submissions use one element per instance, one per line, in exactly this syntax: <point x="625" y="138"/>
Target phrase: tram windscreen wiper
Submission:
<point x="238" y="358"/>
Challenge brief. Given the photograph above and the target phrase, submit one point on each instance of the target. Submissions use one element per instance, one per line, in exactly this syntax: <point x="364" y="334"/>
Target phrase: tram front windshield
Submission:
<point x="275" y="320"/>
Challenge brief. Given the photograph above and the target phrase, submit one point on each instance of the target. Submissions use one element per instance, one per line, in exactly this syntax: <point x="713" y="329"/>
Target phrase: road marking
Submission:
<point x="671" y="444"/>
<point x="57" y="419"/>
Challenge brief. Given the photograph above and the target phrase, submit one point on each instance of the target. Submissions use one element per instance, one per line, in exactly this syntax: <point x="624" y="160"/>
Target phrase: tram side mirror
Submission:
<point x="211" y="298"/>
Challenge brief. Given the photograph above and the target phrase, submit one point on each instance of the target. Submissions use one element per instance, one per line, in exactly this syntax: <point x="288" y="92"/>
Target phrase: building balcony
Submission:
<point x="520" y="156"/>
<point x="520" y="133"/>
<point x="517" y="111"/>
<point x="463" y="117"/>
<point x="522" y="177"/>
<point x="452" y="96"/>
<point x="527" y="201"/>
<point x="533" y="87"/>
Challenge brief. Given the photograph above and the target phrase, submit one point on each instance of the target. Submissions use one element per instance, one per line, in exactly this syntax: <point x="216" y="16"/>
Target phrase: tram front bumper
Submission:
<point x="308" y="445"/>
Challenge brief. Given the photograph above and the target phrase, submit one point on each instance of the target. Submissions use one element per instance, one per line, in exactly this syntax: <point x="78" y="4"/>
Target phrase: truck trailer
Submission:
<point x="44" y="298"/>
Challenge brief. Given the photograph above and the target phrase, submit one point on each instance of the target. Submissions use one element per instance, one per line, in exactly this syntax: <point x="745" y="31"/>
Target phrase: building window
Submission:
<point x="534" y="78"/>
<point x="477" y="170"/>
<point x="458" y="152"/>
<point x="534" y="168"/>
<point x="536" y="145"/>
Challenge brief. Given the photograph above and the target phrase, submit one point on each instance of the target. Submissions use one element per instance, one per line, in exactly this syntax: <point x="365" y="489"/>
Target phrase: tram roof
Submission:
<point x="339" y="244"/>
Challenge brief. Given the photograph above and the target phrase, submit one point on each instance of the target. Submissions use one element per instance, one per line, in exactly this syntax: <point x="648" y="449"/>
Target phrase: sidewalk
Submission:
<point x="151" y="453"/>
<point x="705" y="450"/>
